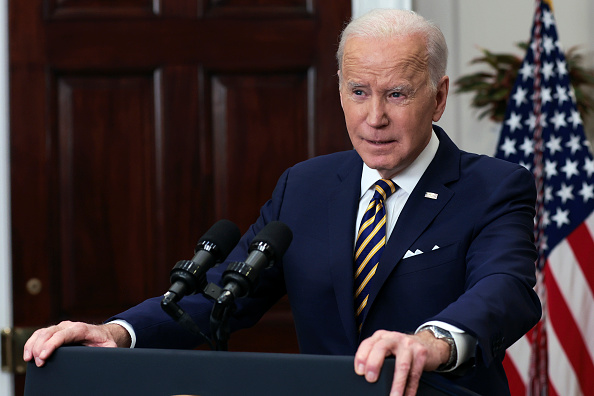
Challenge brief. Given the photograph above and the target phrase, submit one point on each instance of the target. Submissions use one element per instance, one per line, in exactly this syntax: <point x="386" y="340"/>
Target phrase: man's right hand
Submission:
<point x="45" y="341"/>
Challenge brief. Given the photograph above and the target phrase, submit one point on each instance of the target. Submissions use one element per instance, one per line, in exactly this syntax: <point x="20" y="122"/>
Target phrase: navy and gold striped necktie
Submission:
<point x="370" y="244"/>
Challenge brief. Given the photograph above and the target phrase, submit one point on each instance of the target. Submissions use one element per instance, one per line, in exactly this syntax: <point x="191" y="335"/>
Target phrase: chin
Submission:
<point x="380" y="162"/>
<point x="383" y="168"/>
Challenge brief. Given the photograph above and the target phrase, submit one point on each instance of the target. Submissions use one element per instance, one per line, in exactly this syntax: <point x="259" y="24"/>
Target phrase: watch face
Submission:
<point x="440" y="333"/>
<point x="436" y="331"/>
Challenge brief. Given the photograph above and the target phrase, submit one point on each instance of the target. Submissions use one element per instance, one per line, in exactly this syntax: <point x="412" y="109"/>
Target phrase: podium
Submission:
<point x="89" y="371"/>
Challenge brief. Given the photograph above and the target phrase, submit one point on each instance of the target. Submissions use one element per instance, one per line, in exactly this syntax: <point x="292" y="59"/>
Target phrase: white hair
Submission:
<point x="391" y="23"/>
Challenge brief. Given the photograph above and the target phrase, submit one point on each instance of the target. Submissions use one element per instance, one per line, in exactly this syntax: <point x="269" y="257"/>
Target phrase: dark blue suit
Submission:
<point x="480" y="279"/>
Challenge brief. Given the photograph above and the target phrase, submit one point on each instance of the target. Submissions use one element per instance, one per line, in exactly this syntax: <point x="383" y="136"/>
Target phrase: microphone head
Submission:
<point x="224" y="235"/>
<point x="274" y="240"/>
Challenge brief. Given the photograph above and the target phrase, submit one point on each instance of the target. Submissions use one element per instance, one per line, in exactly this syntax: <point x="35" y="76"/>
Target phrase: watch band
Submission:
<point x="442" y="334"/>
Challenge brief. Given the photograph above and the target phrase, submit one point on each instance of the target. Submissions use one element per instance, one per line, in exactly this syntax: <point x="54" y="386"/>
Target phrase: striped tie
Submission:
<point x="370" y="244"/>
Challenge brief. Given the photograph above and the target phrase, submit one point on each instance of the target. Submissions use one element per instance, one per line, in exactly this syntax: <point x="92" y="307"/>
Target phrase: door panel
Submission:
<point x="107" y="188"/>
<point x="249" y="148"/>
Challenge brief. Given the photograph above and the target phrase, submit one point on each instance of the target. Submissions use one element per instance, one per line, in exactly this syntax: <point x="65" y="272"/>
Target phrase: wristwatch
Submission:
<point x="445" y="335"/>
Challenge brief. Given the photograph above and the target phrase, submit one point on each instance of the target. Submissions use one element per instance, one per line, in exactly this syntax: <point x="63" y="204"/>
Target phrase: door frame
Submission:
<point x="6" y="379"/>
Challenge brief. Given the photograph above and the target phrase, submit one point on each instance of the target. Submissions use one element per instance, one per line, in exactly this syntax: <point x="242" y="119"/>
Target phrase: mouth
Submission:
<point x="379" y="142"/>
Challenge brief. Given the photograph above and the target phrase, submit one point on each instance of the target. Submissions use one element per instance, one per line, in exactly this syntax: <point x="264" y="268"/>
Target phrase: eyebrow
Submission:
<point x="399" y="88"/>
<point x="353" y="85"/>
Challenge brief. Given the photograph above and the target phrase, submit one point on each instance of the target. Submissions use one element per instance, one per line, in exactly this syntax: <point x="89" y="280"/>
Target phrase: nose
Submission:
<point x="376" y="113"/>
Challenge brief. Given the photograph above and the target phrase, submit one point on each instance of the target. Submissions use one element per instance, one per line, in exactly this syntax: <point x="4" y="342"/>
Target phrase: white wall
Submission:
<point x="6" y="387"/>
<point x="497" y="26"/>
<point x="360" y="7"/>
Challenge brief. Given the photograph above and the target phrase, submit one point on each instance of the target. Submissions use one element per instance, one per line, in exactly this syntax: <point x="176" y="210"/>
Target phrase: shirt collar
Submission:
<point x="409" y="177"/>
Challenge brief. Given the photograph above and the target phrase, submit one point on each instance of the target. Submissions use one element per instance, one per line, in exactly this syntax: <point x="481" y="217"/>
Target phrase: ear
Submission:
<point x="441" y="97"/>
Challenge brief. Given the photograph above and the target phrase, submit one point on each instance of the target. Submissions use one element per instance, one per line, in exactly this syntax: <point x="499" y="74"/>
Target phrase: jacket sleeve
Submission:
<point x="499" y="305"/>
<point x="155" y="329"/>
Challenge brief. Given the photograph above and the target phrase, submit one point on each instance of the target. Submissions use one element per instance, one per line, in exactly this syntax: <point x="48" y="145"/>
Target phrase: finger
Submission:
<point x="44" y="345"/>
<point x="36" y="344"/>
<point x="27" y="354"/>
<point x="365" y="348"/>
<point x="70" y="333"/>
<point x="375" y="361"/>
<point x="419" y="359"/>
<point x="361" y="358"/>
<point x="402" y="368"/>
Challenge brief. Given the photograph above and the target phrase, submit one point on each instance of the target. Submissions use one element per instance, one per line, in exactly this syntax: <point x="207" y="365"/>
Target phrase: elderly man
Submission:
<point x="405" y="246"/>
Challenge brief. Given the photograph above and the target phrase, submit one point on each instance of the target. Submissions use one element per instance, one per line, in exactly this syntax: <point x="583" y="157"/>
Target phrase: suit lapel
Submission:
<point x="342" y="208"/>
<point x="419" y="211"/>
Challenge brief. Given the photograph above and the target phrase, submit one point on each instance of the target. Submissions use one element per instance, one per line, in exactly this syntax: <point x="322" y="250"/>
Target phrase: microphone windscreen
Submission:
<point x="224" y="234"/>
<point x="276" y="234"/>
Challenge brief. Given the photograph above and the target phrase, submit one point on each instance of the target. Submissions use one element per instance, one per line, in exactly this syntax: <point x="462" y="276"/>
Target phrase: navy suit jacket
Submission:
<point x="480" y="279"/>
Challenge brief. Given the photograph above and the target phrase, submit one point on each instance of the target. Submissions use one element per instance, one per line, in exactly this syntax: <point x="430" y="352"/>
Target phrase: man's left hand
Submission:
<point x="414" y="354"/>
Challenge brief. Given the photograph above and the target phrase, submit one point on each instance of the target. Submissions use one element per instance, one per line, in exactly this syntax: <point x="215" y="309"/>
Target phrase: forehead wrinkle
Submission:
<point x="414" y="62"/>
<point x="407" y="66"/>
<point x="390" y="62"/>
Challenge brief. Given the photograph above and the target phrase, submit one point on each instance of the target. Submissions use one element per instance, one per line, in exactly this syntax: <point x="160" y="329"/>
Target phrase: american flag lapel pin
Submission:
<point x="431" y="195"/>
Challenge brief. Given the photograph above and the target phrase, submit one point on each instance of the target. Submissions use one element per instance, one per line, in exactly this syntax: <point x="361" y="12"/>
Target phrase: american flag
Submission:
<point x="543" y="131"/>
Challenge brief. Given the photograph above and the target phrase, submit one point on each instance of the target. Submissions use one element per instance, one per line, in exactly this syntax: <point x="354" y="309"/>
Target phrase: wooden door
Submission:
<point x="137" y="124"/>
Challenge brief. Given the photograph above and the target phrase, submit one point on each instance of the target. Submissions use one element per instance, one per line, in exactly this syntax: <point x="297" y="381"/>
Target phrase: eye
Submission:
<point x="358" y="92"/>
<point x="396" y="95"/>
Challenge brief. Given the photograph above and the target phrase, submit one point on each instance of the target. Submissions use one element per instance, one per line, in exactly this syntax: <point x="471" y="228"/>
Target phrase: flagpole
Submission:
<point x="538" y="367"/>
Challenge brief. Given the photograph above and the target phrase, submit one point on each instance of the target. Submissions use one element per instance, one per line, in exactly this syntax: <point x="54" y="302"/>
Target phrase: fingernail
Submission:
<point x="26" y="355"/>
<point x="38" y="362"/>
<point x="371" y="376"/>
<point x="361" y="369"/>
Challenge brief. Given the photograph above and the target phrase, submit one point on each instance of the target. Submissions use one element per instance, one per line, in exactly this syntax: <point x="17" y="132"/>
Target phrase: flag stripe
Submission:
<point x="519" y="354"/>
<point x="562" y="377"/>
<point x="590" y="223"/>
<point x="514" y="378"/>
<point x="572" y="343"/>
<point x="573" y="289"/>
<point x="583" y="247"/>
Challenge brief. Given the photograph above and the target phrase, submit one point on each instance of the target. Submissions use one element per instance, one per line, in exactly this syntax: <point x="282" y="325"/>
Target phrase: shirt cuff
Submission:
<point x="464" y="342"/>
<point x="128" y="328"/>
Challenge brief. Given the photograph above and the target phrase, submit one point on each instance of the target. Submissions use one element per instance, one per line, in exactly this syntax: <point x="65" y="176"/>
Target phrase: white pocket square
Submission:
<point x="410" y="253"/>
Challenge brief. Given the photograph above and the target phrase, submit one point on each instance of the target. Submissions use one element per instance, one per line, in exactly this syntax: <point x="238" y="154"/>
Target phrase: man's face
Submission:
<point x="388" y="102"/>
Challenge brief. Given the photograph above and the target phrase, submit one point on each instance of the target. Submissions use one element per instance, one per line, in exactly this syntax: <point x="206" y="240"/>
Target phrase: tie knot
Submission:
<point x="384" y="188"/>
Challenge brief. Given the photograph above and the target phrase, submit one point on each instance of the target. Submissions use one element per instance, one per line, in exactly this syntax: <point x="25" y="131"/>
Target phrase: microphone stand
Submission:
<point x="169" y="305"/>
<point x="238" y="278"/>
<point x="222" y="310"/>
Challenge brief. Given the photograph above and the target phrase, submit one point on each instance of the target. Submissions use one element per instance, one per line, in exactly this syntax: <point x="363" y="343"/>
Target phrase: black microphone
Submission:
<point x="269" y="245"/>
<point x="189" y="276"/>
